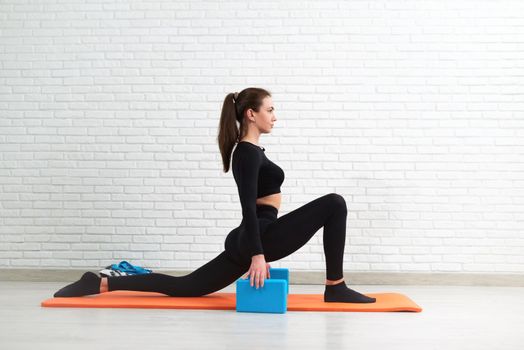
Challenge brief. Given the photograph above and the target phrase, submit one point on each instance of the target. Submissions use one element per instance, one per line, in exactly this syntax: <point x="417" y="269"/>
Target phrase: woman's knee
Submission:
<point x="337" y="200"/>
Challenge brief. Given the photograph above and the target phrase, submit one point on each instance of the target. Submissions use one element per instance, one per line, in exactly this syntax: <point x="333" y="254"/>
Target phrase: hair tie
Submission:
<point x="235" y="97"/>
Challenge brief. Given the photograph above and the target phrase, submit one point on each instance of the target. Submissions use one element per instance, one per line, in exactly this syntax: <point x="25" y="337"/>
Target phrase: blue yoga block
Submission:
<point x="281" y="274"/>
<point x="272" y="298"/>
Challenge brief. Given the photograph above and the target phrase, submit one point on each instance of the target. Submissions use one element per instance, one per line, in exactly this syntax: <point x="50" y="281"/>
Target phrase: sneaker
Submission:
<point x="107" y="272"/>
<point x="123" y="269"/>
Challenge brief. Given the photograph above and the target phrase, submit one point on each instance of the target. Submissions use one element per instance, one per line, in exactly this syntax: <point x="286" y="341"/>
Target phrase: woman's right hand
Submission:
<point x="258" y="271"/>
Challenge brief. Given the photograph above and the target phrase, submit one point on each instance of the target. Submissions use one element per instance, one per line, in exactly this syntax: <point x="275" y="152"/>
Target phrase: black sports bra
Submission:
<point x="270" y="176"/>
<point x="256" y="176"/>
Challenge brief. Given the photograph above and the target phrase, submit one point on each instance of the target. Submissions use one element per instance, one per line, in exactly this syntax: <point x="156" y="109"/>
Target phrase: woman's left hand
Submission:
<point x="267" y="269"/>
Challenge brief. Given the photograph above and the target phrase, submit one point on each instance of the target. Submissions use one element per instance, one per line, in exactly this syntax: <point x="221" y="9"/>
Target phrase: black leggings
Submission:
<point x="280" y="237"/>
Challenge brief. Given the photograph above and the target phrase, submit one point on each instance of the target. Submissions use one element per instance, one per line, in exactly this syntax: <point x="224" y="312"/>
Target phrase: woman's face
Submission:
<point x="265" y="117"/>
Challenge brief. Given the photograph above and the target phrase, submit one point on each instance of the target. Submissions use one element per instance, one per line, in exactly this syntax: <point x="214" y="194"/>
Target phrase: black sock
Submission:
<point x="89" y="283"/>
<point x="341" y="293"/>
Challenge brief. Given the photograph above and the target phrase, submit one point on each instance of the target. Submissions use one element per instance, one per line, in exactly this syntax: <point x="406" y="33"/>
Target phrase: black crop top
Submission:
<point x="256" y="176"/>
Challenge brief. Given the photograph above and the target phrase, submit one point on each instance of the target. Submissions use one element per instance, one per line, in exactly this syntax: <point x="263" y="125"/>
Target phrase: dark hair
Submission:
<point x="232" y="112"/>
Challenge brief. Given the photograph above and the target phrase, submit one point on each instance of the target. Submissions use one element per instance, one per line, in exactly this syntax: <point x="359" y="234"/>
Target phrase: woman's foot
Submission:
<point x="89" y="283"/>
<point x="342" y="294"/>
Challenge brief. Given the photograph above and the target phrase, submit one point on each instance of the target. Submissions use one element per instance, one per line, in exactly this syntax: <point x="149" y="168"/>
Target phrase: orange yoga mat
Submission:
<point x="227" y="301"/>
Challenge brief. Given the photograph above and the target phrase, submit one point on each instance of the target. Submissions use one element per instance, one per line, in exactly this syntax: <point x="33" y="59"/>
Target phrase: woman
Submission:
<point x="261" y="236"/>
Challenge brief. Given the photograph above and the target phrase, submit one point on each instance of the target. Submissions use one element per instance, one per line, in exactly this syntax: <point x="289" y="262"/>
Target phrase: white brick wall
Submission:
<point x="412" y="110"/>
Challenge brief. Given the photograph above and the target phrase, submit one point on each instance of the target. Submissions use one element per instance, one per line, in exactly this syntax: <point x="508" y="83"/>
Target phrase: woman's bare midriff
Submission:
<point x="272" y="200"/>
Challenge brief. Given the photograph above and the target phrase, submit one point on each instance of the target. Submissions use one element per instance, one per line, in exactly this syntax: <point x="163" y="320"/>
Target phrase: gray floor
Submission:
<point x="453" y="318"/>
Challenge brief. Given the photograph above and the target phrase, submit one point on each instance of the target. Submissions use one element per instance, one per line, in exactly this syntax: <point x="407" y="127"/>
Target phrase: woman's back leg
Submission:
<point x="210" y="277"/>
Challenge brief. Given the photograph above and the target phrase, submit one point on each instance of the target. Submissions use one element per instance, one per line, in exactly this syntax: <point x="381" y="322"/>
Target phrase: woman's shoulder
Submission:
<point x="247" y="152"/>
<point x="247" y="148"/>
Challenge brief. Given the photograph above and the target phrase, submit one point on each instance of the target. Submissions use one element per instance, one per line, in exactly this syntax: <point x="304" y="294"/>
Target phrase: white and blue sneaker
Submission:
<point x="123" y="269"/>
